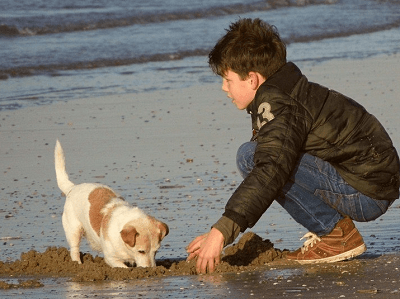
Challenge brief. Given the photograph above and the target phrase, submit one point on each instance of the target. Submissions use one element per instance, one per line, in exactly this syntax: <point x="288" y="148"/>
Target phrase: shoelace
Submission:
<point x="311" y="240"/>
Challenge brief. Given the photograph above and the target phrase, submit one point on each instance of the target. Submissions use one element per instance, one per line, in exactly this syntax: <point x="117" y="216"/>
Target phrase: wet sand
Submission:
<point x="248" y="254"/>
<point x="172" y="154"/>
<point x="251" y="267"/>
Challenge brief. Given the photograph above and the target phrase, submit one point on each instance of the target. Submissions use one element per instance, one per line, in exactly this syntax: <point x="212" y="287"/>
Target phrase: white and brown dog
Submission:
<point x="122" y="232"/>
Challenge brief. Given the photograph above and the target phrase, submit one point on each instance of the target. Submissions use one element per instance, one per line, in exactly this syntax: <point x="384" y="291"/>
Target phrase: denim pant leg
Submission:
<point x="316" y="196"/>
<point x="245" y="158"/>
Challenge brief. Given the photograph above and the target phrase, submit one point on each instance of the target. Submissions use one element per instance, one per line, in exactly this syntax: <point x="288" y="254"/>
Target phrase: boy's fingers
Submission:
<point x="205" y="265"/>
<point x="211" y="266"/>
<point x="192" y="248"/>
<point x="195" y="244"/>
<point x="192" y="256"/>
<point x="201" y="266"/>
<point x="217" y="260"/>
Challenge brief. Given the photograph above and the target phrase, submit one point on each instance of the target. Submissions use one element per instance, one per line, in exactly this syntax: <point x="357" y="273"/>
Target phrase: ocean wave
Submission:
<point x="54" y="69"/>
<point x="105" y="21"/>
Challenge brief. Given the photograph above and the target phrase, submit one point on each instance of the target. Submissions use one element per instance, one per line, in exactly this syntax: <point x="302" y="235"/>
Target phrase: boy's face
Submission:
<point x="241" y="92"/>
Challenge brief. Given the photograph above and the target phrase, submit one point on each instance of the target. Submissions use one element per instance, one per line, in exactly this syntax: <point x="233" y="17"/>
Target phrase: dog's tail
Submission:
<point x="63" y="181"/>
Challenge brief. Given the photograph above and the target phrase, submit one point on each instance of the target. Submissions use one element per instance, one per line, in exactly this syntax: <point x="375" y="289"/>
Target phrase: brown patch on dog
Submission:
<point x="128" y="235"/>
<point x="98" y="198"/>
<point x="105" y="221"/>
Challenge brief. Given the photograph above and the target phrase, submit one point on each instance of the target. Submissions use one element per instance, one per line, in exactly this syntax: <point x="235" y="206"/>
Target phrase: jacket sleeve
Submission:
<point x="284" y="125"/>
<point x="229" y="229"/>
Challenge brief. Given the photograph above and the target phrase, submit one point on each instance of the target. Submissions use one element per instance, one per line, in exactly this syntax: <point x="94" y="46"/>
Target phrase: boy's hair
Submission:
<point x="248" y="46"/>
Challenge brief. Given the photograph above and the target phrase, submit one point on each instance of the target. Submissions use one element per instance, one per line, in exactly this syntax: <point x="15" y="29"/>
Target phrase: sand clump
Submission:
<point x="249" y="253"/>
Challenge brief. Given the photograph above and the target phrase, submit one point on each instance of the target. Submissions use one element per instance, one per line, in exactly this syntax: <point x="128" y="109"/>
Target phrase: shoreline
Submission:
<point x="192" y="71"/>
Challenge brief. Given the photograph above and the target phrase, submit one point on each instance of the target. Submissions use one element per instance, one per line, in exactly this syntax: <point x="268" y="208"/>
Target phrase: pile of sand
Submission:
<point x="249" y="253"/>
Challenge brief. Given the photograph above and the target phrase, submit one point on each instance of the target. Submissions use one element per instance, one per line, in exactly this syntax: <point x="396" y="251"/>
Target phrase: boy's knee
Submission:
<point x="246" y="151"/>
<point x="245" y="157"/>
<point x="249" y="146"/>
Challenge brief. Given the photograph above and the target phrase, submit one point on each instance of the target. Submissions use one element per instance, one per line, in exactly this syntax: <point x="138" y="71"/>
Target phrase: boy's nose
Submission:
<point x="224" y="86"/>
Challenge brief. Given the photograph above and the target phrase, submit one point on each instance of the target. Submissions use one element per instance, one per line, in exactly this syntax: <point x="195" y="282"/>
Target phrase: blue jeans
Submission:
<point x="316" y="196"/>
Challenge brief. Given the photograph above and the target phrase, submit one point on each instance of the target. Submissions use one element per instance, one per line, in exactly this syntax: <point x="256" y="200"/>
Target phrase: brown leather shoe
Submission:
<point x="342" y="243"/>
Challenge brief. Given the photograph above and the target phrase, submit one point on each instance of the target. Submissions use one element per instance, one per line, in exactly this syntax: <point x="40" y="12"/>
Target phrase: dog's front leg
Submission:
<point x="75" y="254"/>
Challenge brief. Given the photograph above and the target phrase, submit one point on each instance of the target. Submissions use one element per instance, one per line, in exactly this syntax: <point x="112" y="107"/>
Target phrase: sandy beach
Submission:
<point x="172" y="153"/>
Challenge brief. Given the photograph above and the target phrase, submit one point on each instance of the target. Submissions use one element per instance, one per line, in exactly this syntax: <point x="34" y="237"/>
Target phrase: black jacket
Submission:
<point x="291" y="116"/>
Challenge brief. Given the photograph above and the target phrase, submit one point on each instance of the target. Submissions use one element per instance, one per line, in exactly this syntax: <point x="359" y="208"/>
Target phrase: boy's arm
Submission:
<point x="282" y="134"/>
<point x="229" y="229"/>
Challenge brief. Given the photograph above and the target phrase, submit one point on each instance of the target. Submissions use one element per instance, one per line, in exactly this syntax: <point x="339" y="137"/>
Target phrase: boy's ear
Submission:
<point x="255" y="79"/>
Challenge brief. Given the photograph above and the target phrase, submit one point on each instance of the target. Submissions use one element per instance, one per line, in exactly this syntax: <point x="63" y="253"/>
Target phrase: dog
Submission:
<point x="124" y="234"/>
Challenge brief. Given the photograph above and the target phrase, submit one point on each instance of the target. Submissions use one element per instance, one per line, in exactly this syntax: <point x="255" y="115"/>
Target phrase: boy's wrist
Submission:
<point x="228" y="228"/>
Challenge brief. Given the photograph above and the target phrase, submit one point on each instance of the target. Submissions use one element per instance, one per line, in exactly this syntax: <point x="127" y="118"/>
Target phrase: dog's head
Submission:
<point x="142" y="237"/>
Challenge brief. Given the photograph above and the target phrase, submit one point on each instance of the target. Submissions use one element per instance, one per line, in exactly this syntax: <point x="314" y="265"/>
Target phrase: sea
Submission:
<point x="61" y="50"/>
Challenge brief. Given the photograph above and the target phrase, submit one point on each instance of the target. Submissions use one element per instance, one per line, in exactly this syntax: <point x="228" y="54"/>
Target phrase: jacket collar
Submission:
<point x="284" y="79"/>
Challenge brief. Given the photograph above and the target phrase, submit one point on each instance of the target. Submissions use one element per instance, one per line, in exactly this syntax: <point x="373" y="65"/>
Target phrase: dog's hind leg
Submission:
<point x="73" y="232"/>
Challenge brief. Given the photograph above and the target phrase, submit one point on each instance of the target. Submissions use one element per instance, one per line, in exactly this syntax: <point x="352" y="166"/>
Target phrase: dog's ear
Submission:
<point x="164" y="229"/>
<point x="128" y="235"/>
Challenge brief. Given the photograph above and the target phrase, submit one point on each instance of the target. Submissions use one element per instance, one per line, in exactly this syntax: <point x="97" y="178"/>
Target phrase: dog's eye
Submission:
<point x="142" y="252"/>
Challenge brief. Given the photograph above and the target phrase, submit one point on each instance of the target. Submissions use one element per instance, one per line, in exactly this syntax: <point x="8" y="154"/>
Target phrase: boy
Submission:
<point x="318" y="153"/>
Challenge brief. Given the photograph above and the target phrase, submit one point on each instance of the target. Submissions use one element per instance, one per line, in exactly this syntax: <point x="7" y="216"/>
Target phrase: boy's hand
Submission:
<point x="207" y="248"/>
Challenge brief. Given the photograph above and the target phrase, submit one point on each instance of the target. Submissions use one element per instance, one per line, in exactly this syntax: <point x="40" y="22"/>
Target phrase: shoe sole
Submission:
<point x="337" y="258"/>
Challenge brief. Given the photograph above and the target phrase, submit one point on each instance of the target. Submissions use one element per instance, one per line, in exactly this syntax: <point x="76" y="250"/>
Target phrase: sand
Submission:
<point x="248" y="254"/>
<point x="172" y="153"/>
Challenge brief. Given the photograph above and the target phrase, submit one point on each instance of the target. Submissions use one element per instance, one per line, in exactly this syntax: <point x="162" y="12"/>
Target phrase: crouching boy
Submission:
<point x="318" y="153"/>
